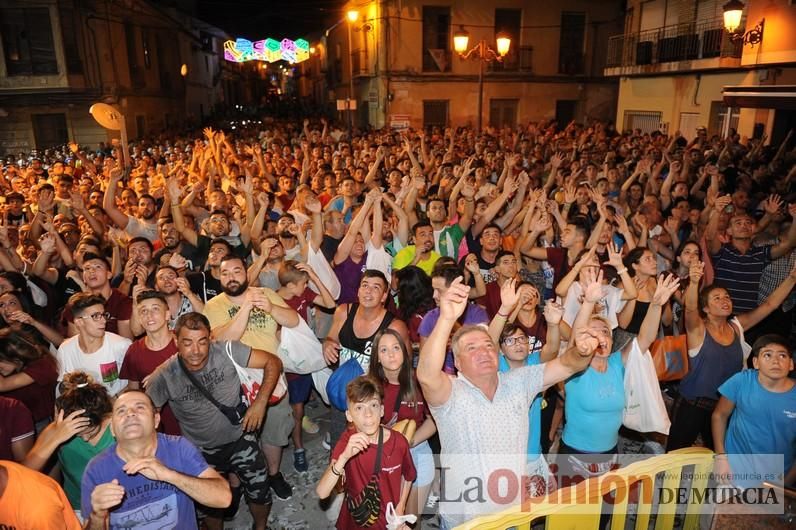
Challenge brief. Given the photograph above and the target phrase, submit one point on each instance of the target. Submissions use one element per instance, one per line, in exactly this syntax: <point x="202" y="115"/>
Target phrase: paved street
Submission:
<point x="303" y="511"/>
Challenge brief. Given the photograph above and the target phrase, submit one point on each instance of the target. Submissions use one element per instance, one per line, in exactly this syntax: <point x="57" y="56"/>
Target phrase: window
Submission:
<point x="570" y="55"/>
<point x="50" y="130"/>
<point x="145" y="46"/>
<point x="28" y="41"/>
<point x="164" y="62"/>
<point x="503" y="112"/>
<point x="69" y="25"/>
<point x="136" y="74"/>
<point x="718" y="118"/>
<point x="508" y="21"/>
<point x="644" y="120"/>
<point x="436" y="39"/>
<point x="565" y="111"/>
<point x="435" y="113"/>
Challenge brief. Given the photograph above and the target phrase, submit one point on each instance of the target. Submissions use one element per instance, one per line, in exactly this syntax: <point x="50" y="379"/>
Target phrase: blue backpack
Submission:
<point x="336" y="386"/>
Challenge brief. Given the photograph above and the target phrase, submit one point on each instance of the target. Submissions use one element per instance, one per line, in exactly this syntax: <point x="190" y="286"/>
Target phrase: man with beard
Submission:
<point x="145" y="225"/>
<point x="252" y="316"/>
<point x="172" y="243"/>
<point x="265" y="269"/>
<point x="96" y="278"/>
<point x="422" y="253"/>
<point x="207" y="283"/>
<point x="139" y="269"/>
<point x="178" y="296"/>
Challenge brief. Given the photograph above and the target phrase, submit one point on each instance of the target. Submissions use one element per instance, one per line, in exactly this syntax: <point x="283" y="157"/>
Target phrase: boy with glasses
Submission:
<point x="93" y="350"/>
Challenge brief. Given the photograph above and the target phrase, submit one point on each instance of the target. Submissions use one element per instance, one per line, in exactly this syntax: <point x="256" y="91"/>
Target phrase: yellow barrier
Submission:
<point x="566" y="509"/>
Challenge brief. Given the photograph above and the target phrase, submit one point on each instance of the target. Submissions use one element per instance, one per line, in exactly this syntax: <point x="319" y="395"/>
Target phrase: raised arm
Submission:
<point x="109" y="200"/>
<point x="344" y="248"/>
<point x="774" y="300"/>
<point x="435" y="383"/>
<point x="652" y="320"/>
<point x="189" y="234"/>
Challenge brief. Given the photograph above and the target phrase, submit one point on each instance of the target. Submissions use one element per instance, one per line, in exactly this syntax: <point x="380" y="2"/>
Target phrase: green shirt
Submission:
<point x="74" y="456"/>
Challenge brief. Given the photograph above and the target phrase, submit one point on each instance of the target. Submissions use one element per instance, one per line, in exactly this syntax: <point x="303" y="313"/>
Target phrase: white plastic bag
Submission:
<point x="251" y="378"/>
<point x="319" y="379"/>
<point x="317" y="261"/>
<point x="379" y="259"/>
<point x="300" y="350"/>
<point x="395" y="521"/>
<point x="644" y="407"/>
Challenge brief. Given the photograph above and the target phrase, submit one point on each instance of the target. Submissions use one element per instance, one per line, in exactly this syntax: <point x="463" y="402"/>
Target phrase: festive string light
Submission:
<point x="269" y="50"/>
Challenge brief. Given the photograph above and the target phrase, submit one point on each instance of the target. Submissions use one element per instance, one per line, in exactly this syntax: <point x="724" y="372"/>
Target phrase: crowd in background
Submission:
<point x="213" y="245"/>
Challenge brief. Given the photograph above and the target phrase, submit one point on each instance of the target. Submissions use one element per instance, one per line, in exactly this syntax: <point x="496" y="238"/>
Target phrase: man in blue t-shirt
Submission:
<point x="147" y="480"/>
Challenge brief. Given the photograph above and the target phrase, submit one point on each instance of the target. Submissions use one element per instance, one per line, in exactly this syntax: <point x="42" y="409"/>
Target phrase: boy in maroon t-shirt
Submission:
<point x="366" y="448"/>
<point x="151" y="312"/>
<point x="294" y="277"/>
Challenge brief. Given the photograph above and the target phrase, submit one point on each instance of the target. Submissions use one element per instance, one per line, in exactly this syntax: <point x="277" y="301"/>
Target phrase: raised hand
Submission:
<point x="696" y="271"/>
<point x="614" y="256"/>
<point x="509" y="295"/>
<point x="664" y="289"/>
<point x="312" y="204"/>
<point x="722" y="202"/>
<point x="553" y="312"/>
<point x="772" y="204"/>
<point x="593" y="288"/>
<point x="587" y="341"/>
<point x="453" y="303"/>
<point x="47" y="243"/>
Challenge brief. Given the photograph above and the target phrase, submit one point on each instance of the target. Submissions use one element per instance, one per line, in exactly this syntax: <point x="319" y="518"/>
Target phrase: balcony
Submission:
<point x="514" y="61"/>
<point x="682" y="47"/>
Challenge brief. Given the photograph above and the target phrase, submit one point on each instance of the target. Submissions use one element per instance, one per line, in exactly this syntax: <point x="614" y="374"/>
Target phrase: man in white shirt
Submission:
<point x="97" y="352"/>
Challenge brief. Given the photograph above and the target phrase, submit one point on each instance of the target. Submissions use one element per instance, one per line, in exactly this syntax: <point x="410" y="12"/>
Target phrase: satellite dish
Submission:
<point x="112" y="119"/>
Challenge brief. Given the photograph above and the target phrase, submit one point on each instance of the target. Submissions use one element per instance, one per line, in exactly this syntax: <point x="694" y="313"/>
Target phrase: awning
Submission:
<point x="761" y="96"/>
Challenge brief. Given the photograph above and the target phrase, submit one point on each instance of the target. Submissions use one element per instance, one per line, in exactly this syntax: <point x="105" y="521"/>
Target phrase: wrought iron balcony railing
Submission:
<point x="681" y="42"/>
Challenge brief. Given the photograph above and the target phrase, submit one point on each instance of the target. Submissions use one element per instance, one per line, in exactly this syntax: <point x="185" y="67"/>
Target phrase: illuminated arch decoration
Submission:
<point x="268" y="50"/>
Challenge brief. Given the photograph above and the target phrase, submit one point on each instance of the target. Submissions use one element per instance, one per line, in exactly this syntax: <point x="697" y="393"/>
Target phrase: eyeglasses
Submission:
<point x="509" y="341"/>
<point x="97" y="317"/>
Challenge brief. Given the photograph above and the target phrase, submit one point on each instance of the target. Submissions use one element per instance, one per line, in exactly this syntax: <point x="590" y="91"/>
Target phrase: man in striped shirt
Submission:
<point x="739" y="264"/>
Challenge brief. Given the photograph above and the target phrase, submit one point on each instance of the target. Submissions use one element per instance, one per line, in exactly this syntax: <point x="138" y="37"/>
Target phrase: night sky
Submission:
<point x="258" y="19"/>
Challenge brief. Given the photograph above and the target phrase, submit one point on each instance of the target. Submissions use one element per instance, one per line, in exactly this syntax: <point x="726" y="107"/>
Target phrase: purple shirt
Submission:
<point x="474" y="314"/>
<point x="350" y="274"/>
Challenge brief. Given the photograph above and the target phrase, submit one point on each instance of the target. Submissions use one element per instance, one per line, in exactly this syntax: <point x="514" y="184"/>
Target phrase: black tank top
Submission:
<point x="349" y="340"/>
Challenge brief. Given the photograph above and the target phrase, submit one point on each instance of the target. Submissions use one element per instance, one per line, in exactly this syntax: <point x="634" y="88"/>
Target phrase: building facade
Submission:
<point x="678" y="68"/>
<point x="405" y="70"/>
<point x="160" y="67"/>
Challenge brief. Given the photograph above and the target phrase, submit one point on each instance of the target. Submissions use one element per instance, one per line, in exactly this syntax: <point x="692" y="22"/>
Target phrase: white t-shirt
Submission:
<point x="103" y="365"/>
<point x="137" y="228"/>
<point x="608" y="307"/>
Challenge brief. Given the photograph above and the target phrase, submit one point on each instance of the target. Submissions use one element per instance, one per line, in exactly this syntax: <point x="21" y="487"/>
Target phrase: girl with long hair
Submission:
<point x="28" y="373"/>
<point x="403" y="400"/>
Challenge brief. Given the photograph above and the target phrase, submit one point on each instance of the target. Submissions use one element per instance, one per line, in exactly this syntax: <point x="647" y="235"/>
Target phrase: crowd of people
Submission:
<point x="458" y="294"/>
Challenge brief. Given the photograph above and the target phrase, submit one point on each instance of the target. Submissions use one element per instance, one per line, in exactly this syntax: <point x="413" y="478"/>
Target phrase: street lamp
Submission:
<point x="352" y="15"/>
<point x="733" y="12"/>
<point x="485" y="54"/>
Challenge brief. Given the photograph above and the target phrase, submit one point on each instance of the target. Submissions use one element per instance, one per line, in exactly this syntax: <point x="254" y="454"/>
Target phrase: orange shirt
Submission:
<point x="33" y="501"/>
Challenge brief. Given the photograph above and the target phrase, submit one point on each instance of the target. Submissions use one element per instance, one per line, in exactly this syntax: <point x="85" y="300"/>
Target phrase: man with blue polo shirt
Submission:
<point x="147" y="480"/>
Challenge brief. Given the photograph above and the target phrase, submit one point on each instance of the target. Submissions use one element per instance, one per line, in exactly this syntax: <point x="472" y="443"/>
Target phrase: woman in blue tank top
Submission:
<point x="595" y="398"/>
<point x="715" y="352"/>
